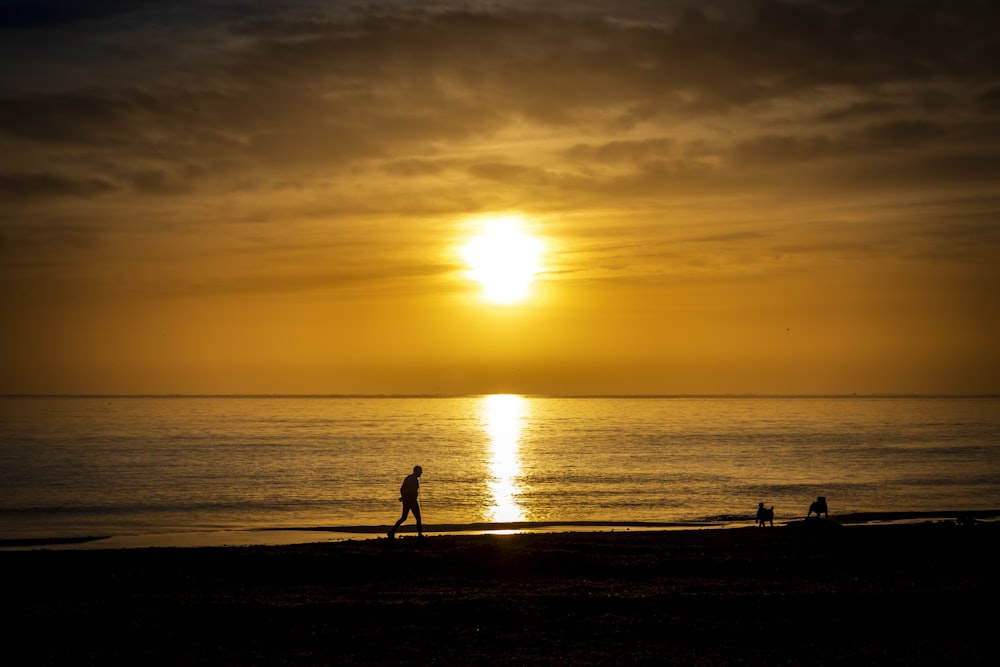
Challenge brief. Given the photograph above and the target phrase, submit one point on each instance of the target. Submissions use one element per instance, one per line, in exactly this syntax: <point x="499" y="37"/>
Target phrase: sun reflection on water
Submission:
<point x="503" y="417"/>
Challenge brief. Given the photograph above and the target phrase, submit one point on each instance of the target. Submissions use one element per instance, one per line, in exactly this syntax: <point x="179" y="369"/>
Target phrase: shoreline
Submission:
<point x="808" y="593"/>
<point x="287" y="535"/>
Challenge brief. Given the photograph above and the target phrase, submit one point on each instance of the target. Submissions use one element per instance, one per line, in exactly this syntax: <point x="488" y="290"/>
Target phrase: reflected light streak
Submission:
<point x="503" y="415"/>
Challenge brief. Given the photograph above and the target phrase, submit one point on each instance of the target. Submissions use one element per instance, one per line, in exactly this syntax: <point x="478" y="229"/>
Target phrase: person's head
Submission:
<point x="418" y="471"/>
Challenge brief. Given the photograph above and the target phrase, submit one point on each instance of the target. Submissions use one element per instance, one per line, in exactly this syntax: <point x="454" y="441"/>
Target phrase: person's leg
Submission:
<point x="416" y="515"/>
<point x="406" y="513"/>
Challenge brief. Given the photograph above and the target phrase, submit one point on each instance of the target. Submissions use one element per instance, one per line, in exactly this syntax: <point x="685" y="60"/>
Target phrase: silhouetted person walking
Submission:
<point x="408" y="496"/>
<point x="818" y="506"/>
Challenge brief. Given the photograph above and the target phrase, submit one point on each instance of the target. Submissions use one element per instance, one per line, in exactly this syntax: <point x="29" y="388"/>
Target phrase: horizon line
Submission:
<point x="522" y="394"/>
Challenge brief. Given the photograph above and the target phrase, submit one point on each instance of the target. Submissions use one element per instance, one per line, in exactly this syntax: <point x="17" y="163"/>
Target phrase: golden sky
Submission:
<point x="273" y="197"/>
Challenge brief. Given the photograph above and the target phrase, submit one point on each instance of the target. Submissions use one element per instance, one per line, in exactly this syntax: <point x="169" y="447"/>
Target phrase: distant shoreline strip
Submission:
<point x="50" y="541"/>
<point x="486" y="526"/>
<point x="482" y="527"/>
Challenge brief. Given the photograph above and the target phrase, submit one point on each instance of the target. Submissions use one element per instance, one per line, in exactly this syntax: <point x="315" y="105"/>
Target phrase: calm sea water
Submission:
<point x="153" y="465"/>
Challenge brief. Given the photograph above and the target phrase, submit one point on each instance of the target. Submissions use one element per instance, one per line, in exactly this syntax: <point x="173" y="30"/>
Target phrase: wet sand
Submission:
<point x="808" y="593"/>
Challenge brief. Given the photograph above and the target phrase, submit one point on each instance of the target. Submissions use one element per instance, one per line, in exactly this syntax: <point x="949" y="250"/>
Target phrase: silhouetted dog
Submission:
<point x="764" y="515"/>
<point x="819" y="507"/>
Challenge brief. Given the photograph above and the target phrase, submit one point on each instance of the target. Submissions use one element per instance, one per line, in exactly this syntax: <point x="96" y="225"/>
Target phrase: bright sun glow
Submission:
<point x="504" y="260"/>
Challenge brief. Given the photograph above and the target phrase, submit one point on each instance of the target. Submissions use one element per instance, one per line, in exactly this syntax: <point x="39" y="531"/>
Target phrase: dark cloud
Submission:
<point x="43" y="186"/>
<point x="414" y="167"/>
<point x="780" y="150"/>
<point x="637" y="151"/>
<point x="500" y="171"/>
<point x="862" y="110"/>
<point x="26" y="14"/>
<point x="71" y="118"/>
<point x="989" y="101"/>
<point x="903" y="134"/>
<point x="877" y="139"/>
<point x="158" y="182"/>
<point x="43" y="248"/>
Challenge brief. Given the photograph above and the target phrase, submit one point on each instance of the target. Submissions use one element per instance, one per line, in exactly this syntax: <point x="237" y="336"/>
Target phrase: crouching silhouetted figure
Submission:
<point x="819" y="507"/>
<point x="765" y="515"/>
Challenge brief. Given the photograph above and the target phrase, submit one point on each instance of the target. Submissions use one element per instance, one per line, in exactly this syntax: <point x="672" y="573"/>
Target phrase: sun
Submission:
<point x="504" y="260"/>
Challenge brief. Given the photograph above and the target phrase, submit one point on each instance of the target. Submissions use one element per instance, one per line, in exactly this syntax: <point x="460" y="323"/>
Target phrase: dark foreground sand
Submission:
<point x="810" y="593"/>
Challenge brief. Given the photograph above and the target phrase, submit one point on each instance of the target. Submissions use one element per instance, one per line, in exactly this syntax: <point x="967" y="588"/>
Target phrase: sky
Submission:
<point x="262" y="197"/>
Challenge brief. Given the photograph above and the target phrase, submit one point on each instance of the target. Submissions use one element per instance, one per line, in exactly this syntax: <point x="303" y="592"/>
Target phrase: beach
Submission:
<point x="810" y="592"/>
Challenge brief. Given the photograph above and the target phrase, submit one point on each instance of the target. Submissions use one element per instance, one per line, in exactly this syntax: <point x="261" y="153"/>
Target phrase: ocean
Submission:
<point x="164" y="470"/>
